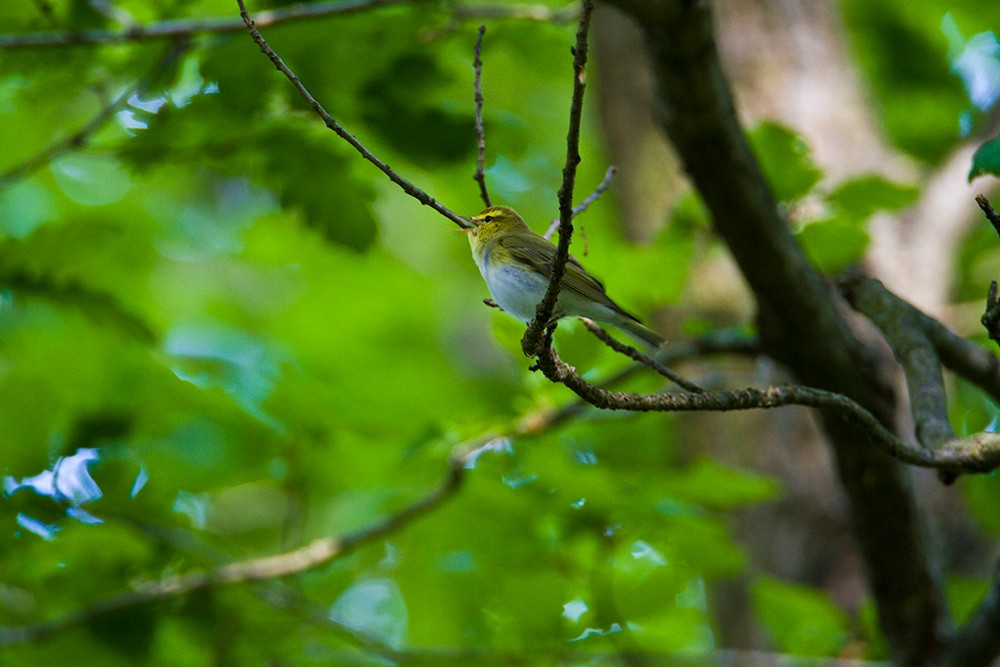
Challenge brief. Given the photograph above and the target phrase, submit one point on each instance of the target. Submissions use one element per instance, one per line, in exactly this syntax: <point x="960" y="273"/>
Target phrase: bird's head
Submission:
<point x="496" y="220"/>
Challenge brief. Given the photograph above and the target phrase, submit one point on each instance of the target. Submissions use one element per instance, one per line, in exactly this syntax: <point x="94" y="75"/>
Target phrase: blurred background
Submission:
<point x="223" y="334"/>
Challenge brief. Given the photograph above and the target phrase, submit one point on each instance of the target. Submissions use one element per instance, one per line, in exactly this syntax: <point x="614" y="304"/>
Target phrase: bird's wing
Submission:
<point x="576" y="279"/>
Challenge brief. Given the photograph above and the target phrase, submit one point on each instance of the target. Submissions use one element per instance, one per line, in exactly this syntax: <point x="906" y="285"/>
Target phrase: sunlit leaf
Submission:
<point x="858" y="198"/>
<point x="785" y="160"/>
<point x="834" y="244"/>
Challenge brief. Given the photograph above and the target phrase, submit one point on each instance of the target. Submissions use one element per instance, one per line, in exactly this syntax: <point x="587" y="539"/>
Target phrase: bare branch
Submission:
<point x="719" y="342"/>
<point x="533" y="340"/>
<point x="978" y="453"/>
<point x="477" y="66"/>
<point x="301" y="11"/>
<point x="598" y="191"/>
<point x="585" y="204"/>
<point x="312" y="556"/>
<point x="801" y="324"/>
<point x="921" y="344"/>
<point x="901" y="325"/>
<point x="969" y="360"/>
<point x="988" y="210"/>
<point x="991" y="316"/>
<point x="636" y="355"/>
<point x="186" y="27"/>
<point x="407" y="187"/>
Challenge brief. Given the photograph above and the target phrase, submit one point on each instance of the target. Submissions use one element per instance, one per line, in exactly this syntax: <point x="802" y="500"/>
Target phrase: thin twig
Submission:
<point x="79" y="138"/>
<point x="407" y="187"/>
<point x="312" y="556"/>
<point x="718" y="342"/>
<point x="636" y="355"/>
<point x="477" y="66"/>
<point x="585" y="204"/>
<point x="991" y="214"/>
<point x="301" y="11"/>
<point x="598" y="191"/>
<point x="534" y="339"/>
<point x="186" y="27"/>
<point x="991" y="316"/>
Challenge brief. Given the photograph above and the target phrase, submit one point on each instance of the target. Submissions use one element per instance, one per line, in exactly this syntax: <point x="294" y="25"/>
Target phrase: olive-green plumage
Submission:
<point x="516" y="264"/>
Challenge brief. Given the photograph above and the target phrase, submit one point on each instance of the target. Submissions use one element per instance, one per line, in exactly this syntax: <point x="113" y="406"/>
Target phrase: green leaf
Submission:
<point x="918" y="99"/>
<point x="91" y="180"/>
<point x="785" y="160"/>
<point x="800" y="619"/>
<point x="965" y="594"/>
<point x="703" y="542"/>
<point x="833" y="245"/>
<point x="986" y="159"/>
<point x="859" y="198"/>
<point x="711" y="484"/>
<point x="24" y="207"/>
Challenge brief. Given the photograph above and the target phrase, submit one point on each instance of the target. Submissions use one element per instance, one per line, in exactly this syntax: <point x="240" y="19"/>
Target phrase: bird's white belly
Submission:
<point x="517" y="291"/>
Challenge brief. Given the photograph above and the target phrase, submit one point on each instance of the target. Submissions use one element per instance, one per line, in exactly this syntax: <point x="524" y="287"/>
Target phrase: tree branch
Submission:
<point x="800" y="321"/>
<point x="989" y="212"/>
<point x="991" y="317"/>
<point x="719" y="342"/>
<point x="978" y="453"/>
<point x="186" y="27"/>
<point x="967" y="359"/>
<point x="902" y="327"/>
<point x="407" y="187"/>
<point x="636" y="355"/>
<point x="590" y="199"/>
<point x="314" y="555"/>
<point x="533" y="340"/>
<point x="297" y="12"/>
<point x="477" y="66"/>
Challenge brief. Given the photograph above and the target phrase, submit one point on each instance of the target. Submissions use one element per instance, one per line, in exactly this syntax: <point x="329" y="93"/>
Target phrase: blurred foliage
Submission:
<point x="223" y="334"/>
<point x="801" y="620"/>
<point x="785" y="160"/>
<point x="833" y="224"/>
<point x="924" y="106"/>
<point x="986" y="159"/>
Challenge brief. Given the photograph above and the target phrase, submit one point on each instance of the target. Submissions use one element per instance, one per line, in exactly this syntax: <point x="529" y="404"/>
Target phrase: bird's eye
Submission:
<point x="487" y="218"/>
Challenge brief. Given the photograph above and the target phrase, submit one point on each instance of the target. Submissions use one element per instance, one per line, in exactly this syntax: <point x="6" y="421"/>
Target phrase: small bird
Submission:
<point x="516" y="264"/>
